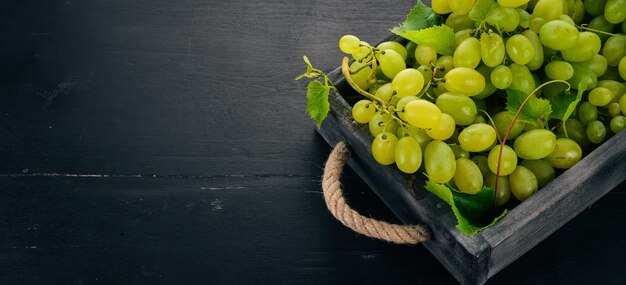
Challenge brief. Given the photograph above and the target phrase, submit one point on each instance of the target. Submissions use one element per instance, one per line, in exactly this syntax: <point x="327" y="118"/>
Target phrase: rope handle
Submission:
<point x="336" y="203"/>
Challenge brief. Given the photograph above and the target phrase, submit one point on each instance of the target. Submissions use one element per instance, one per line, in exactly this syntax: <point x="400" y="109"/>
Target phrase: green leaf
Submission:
<point x="480" y="10"/>
<point x="439" y="37"/>
<point x="317" y="101"/>
<point x="564" y="103"/>
<point x="420" y="17"/>
<point x="536" y="111"/>
<point x="474" y="213"/>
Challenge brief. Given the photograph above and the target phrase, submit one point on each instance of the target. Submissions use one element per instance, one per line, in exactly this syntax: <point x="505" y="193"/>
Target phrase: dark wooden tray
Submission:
<point x="474" y="259"/>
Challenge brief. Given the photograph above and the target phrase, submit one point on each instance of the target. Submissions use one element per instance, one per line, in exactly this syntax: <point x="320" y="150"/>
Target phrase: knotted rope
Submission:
<point x="336" y="203"/>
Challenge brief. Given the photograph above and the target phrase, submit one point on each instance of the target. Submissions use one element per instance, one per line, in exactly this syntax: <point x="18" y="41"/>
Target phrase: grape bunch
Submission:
<point x="447" y="115"/>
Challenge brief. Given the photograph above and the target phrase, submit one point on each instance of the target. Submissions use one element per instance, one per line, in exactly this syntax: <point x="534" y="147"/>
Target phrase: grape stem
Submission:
<point x="510" y="128"/>
<point x="584" y="27"/>
<point x="345" y="69"/>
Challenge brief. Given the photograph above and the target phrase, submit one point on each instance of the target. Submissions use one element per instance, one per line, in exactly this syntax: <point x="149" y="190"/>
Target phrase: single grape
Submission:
<point x="596" y="132"/>
<point x="408" y="82"/>
<point x="524" y="18"/>
<point x="559" y="70"/>
<point x="577" y="11"/>
<point x="422" y="114"/>
<point x="381" y="122"/>
<point x="595" y="7"/>
<point x="575" y="130"/>
<point x="536" y="62"/>
<point x="535" y="144"/>
<point x="558" y="35"/>
<point x="460" y="107"/>
<point x="408" y="155"/>
<point x="621" y="67"/>
<point x="600" y="96"/>
<point x="444" y="129"/>
<point x="444" y="63"/>
<point x="520" y="49"/>
<point x="459" y="152"/>
<point x="614" y="50"/>
<point x="362" y="53"/>
<point x="395" y="46"/>
<point x="587" y="113"/>
<point x="508" y="162"/>
<point x="467" y="176"/>
<point x="390" y="62"/>
<point x="583" y="75"/>
<point x="586" y="47"/>
<point x="503" y="120"/>
<point x="507" y="19"/>
<point x="461" y="7"/>
<point x="548" y="9"/>
<point x="477" y="137"/>
<point x="464" y="80"/>
<point x="566" y="153"/>
<point x="544" y="172"/>
<point x="426" y="72"/>
<point x="467" y="54"/>
<point x="535" y="24"/>
<point x="492" y="49"/>
<point x="363" y="111"/>
<point x="523" y="80"/>
<point x="597" y="64"/>
<point x="615" y="11"/>
<point x="441" y="6"/>
<point x="481" y="161"/>
<point x="360" y="78"/>
<point x="418" y="134"/>
<point x="523" y="183"/>
<point x="349" y="43"/>
<point x="425" y="54"/>
<point x="439" y="162"/>
<point x="614" y="109"/>
<point x="384" y="92"/>
<point x="459" y="22"/>
<point x="617" y="124"/>
<point x="489" y="89"/>
<point x="384" y="148"/>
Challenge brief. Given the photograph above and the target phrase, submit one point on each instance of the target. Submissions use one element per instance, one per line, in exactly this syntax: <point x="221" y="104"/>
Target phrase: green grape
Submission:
<point x="622" y="67"/>
<point x="418" y="134"/>
<point x="596" y="131"/>
<point x="622" y="103"/>
<point x="543" y="171"/>
<point x="425" y="54"/>
<point x="523" y="183"/>
<point x="461" y="36"/>
<point x="501" y="77"/>
<point x="587" y="113"/>
<point x="477" y="137"/>
<point x="548" y="10"/>
<point x="559" y="70"/>
<point x="600" y="96"/>
<point x="349" y="43"/>
<point x="445" y="64"/>
<point x="408" y="82"/>
<point x="464" y="80"/>
<point x="601" y="24"/>
<point x="362" y="53"/>
<point x="617" y="124"/>
<point x="360" y="78"/>
<point x="439" y="162"/>
<point x="535" y="24"/>
<point x="597" y="64"/>
<point x="481" y="161"/>
<point x="444" y="129"/>
<point x="503" y="121"/>
<point x="614" y="109"/>
<point x="504" y="190"/>
<point x="614" y="11"/>
<point x="535" y="144"/>
<point x="408" y="155"/>
<point x="558" y="35"/>
<point x="551" y="90"/>
<point x="422" y="114"/>
<point x="461" y="7"/>
<point x="395" y="46"/>
<point x="492" y="49"/>
<point x="616" y="87"/>
<point x="575" y="131"/>
<point x="507" y="19"/>
<point x="363" y="111"/>
<point x="390" y="62"/>
<point x="583" y="75"/>
<point x="410" y="49"/>
<point x="441" y="6"/>
<point x="614" y="50"/>
<point x="381" y="122"/>
<point x="384" y="92"/>
<point x="587" y="46"/>
<point x="520" y="49"/>
<point x="426" y="72"/>
<point x="523" y="80"/>
<point x="577" y="11"/>
<point x="459" y="22"/>
<point x="566" y="153"/>
<point x="537" y="60"/>
<point x="460" y="107"/>
<point x="459" y="152"/>
<point x="512" y="3"/>
<point x="384" y="148"/>
<point x="524" y="18"/>
<point x="402" y="102"/>
<point x="489" y="89"/>
<point x="467" y="54"/>
<point x="467" y="176"/>
<point x="508" y="162"/>
<point x="595" y="7"/>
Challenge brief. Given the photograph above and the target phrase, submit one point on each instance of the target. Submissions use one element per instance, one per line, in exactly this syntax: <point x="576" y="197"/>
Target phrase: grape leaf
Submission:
<point x="420" y="17"/>
<point x="564" y="103"/>
<point x="317" y="101"/>
<point x="480" y="10"/>
<point x="440" y="37"/>
<point x="536" y="111"/>
<point x="474" y="213"/>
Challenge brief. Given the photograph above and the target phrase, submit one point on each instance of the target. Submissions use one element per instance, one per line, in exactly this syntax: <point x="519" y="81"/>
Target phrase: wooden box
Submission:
<point x="474" y="259"/>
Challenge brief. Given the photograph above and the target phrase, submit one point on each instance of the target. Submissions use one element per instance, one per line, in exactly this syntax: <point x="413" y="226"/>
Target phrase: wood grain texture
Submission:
<point x="166" y="142"/>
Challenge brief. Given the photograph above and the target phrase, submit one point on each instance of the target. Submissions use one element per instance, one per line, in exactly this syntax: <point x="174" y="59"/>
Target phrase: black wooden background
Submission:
<point x="166" y="142"/>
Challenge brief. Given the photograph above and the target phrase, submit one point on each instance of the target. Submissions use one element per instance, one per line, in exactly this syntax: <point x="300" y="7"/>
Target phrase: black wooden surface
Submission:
<point x="166" y="141"/>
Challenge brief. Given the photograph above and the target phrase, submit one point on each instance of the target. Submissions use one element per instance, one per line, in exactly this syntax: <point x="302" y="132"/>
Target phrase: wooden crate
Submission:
<point x="474" y="259"/>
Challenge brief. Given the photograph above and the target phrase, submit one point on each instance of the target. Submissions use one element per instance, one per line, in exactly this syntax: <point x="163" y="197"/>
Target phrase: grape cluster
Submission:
<point x="445" y="114"/>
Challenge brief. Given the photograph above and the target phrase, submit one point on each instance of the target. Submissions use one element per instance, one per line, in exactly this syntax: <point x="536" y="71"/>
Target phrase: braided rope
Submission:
<point x="336" y="203"/>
